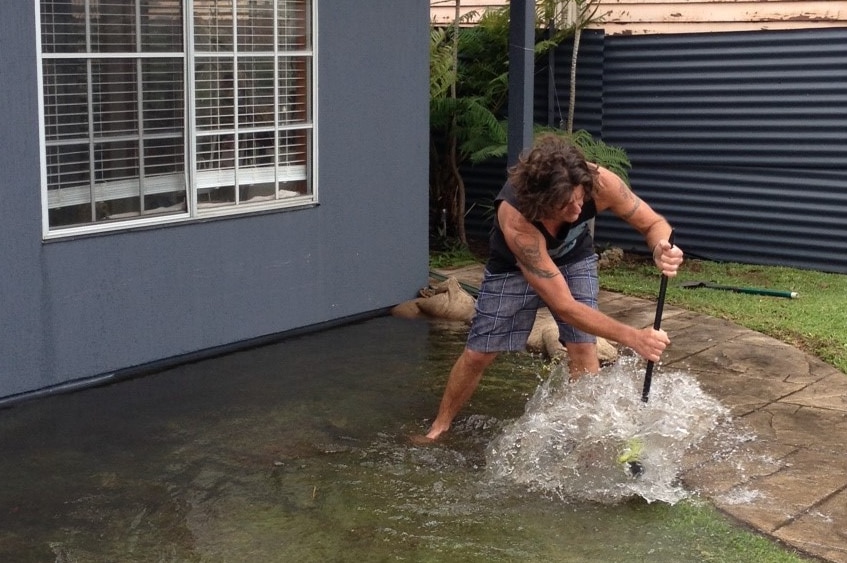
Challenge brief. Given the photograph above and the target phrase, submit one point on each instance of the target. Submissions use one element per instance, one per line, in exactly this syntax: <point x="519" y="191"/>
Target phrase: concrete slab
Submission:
<point x="741" y="393"/>
<point x="829" y="392"/>
<point x="802" y="427"/>
<point x="803" y="482"/>
<point x="821" y="531"/>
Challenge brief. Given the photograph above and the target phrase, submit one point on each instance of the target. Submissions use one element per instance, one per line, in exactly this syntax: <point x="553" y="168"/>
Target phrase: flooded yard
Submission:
<point x="298" y="451"/>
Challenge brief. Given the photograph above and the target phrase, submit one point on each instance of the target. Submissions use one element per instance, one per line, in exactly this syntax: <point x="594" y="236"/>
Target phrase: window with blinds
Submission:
<point x="164" y="110"/>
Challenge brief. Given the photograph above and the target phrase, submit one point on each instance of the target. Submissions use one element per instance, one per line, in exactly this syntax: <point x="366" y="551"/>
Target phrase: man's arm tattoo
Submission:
<point x="627" y="194"/>
<point x="529" y="255"/>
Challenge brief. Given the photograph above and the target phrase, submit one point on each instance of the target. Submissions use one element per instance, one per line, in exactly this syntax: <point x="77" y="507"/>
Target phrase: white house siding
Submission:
<point x="689" y="16"/>
<point x="444" y="11"/>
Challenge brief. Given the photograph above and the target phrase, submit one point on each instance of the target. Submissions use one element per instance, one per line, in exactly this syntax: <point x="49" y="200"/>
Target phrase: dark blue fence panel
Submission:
<point x="551" y="102"/>
<point x="740" y="139"/>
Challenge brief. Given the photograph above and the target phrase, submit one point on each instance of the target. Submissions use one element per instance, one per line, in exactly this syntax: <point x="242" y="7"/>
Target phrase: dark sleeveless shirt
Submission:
<point x="572" y="243"/>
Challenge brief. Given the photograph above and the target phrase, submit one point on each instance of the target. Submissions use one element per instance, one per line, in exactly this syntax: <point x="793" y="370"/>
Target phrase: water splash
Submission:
<point x="574" y="439"/>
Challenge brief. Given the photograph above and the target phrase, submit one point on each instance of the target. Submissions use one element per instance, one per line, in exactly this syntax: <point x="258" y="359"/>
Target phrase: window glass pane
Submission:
<point x="116" y="175"/>
<point x="114" y="86"/>
<point x="294" y="91"/>
<point x="213" y="25"/>
<point x="65" y="99"/>
<point x="115" y="209"/>
<point x="162" y="25"/>
<point x="215" y="152"/>
<point x="213" y="83"/>
<point x="164" y="103"/>
<point x="293" y="188"/>
<point x="217" y="196"/>
<point x="295" y="25"/>
<point x="158" y="204"/>
<point x="69" y="183"/>
<point x="256" y="150"/>
<point x="258" y="178"/>
<point x="164" y="175"/>
<point x="62" y="26"/>
<point x="247" y="103"/>
<point x="255" y="25"/>
<point x="116" y="160"/>
<point x="293" y="147"/>
<point x="164" y="157"/>
<point x="113" y="26"/>
<point x="256" y="92"/>
<point x="69" y="215"/>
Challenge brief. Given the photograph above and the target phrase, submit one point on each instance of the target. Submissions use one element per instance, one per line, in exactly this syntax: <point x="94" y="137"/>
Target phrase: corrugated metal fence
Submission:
<point x="740" y="139"/>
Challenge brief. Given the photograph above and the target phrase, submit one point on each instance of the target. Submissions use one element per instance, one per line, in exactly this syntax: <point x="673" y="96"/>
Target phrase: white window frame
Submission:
<point x="196" y="180"/>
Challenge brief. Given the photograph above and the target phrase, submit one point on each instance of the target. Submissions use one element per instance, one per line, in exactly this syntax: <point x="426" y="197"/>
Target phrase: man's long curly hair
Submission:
<point x="546" y="175"/>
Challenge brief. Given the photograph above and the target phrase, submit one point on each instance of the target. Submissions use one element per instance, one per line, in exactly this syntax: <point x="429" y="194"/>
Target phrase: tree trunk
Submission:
<point x="457" y="214"/>
<point x="458" y="199"/>
<point x="572" y="98"/>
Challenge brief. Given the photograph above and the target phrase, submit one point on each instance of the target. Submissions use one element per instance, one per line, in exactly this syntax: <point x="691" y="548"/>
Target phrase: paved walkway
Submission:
<point x="790" y="481"/>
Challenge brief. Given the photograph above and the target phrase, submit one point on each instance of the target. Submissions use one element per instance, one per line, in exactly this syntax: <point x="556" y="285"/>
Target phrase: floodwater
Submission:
<point x="298" y="451"/>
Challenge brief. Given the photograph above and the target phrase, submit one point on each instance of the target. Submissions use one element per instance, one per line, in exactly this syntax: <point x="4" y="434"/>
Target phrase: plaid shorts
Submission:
<point x="507" y="305"/>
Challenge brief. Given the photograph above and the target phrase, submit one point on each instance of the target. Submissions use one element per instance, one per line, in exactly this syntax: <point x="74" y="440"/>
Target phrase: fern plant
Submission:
<point x="469" y="85"/>
<point x="598" y="152"/>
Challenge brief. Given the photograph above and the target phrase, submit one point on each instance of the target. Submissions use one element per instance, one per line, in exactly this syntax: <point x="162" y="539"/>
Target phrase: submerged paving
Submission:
<point x="788" y="480"/>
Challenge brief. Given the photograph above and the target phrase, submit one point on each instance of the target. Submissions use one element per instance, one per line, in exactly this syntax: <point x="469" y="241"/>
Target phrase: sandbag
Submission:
<point x="544" y="339"/>
<point x="447" y="300"/>
<point x="444" y="300"/>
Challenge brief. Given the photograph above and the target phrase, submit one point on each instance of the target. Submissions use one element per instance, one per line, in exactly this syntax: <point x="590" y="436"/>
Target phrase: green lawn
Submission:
<point x="815" y="322"/>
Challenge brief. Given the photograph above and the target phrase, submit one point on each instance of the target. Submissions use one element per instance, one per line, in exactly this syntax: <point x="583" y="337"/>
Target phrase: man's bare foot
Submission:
<point x="421" y="440"/>
<point x="431" y="437"/>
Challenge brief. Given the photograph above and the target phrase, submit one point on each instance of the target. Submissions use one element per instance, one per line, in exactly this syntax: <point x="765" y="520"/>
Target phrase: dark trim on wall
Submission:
<point x="152" y="368"/>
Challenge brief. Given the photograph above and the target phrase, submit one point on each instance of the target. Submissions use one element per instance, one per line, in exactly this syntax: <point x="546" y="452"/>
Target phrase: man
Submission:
<point x="542" y="250"/>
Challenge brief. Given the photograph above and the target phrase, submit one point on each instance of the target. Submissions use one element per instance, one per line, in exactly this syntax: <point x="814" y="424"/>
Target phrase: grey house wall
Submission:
<point x="78" y="311"/>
